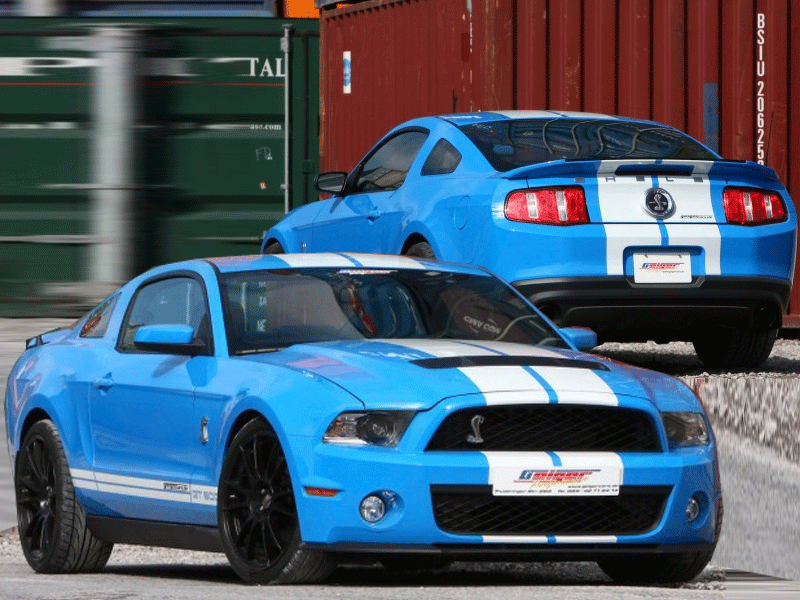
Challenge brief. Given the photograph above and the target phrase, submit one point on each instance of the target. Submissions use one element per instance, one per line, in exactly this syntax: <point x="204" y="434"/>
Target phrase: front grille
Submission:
<point x="474" y="510"/>
<point x="547" y="427"/>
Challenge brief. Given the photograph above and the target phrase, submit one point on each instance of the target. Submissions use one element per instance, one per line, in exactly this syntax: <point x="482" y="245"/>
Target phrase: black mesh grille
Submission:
<point x="547" y="427"/>
<point x="474" y="510"/>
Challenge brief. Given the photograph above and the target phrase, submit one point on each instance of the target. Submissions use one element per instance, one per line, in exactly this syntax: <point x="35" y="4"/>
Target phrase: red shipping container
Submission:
<point x="725" y="71"/>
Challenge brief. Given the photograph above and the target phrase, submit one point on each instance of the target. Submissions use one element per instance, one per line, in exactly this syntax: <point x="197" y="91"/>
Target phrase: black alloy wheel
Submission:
<point x="52" y="523"/>
<point x="257" y="515"/>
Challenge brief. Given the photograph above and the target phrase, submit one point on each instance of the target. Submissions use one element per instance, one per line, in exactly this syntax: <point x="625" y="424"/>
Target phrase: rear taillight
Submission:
<point x="752" y="207"/>
<point x="551" y="206"/>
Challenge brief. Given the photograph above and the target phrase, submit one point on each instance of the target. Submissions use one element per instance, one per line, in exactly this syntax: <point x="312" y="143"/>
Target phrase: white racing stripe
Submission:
<point x="628" y="225"/>
<point x="540" y="539"/>
<point x="138" y="487"/>
<point x="355" y="261"/>
<point x="297" y="261"/>
<point x="706" y="236"/>
<point x="503" y="384"/>
<point x="619" y="237"/>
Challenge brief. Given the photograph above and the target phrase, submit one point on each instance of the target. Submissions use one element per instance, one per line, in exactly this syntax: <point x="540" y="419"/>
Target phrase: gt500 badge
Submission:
<point x="509" y="481"/>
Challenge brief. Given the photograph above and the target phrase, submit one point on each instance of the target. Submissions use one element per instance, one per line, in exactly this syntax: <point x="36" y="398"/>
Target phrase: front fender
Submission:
<point x="298" y="405"/>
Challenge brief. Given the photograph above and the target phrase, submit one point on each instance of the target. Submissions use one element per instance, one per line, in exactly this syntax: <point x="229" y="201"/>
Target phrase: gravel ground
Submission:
<point x="762" y="406"/>
<point x="127" y="559"/>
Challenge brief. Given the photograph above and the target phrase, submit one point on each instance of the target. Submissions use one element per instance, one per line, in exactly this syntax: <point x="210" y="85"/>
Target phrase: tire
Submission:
<point x="421" y="250"/>
<point x="728" y="347"/>
<point x="257" y="516"/>
<point x="51" y="520"/>
<point x="665" y="568"/>
<point x="274" y="248"/>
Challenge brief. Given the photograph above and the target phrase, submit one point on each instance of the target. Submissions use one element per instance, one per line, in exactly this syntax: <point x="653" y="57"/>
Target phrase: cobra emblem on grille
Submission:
<point x="475" y="436"/>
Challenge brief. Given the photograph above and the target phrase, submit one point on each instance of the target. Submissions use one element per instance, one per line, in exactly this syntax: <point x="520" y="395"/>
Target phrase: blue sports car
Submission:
<point x="628" y="227"/>
<point x="301" y="411"/>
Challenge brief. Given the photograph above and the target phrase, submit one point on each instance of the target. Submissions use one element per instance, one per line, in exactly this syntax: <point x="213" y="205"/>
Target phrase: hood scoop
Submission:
<point x="461" y="362"/>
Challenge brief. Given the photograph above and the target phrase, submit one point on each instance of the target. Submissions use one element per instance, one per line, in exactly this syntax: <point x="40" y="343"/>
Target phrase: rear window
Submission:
<point x="511" y="144"/>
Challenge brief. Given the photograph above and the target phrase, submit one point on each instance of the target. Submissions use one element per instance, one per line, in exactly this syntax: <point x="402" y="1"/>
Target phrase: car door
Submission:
<point x="360" y="219"/>
<point x="145" y="442"/>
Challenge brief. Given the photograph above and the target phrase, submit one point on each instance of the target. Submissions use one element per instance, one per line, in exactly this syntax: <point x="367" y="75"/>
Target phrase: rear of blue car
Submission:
<point x="657" y="239"/>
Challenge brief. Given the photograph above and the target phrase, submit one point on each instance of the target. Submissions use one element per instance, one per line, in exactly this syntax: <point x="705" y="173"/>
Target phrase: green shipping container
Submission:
<point x="130" y="143"/>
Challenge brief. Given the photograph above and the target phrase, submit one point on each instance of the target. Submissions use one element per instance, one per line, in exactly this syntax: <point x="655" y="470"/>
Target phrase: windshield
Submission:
<point x="511" y="144"/>
<point x="268" y="310"/>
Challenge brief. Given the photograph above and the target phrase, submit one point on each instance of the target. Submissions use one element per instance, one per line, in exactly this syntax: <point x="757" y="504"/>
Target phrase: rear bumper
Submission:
<point x="618" y="309"/>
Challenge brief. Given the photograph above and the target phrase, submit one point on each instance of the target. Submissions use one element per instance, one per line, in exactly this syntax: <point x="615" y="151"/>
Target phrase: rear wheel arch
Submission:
<point x="272" y="246"/>
<point x="414" y="243"/>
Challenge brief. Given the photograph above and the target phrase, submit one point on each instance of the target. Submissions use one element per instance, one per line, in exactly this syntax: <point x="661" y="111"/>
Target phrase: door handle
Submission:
<point x="103" y="384"/>
<point x="374" y="215"/>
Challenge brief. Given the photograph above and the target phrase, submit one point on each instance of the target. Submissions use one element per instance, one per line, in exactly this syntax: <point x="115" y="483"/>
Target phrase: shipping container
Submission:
<point x="128" y="143"/>
<point x="725" y="71"/>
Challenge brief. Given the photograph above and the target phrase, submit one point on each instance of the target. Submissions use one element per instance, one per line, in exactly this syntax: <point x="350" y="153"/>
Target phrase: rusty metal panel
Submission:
<point x="600" y="51"/>
<point x="634" y="68"/>
<point x="409" y="58"/>
<point x="531" y="54"/>
<point x="703" y="61"/>
<point x="737" y="80"/>
<point x="669" y="62"/>
<point x="566" y="66"/>
<point x="793" y="144"/>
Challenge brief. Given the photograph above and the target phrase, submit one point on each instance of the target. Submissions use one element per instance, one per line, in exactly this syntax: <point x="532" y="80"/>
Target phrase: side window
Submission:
<point x="96" y="323"/>
<point x="173" y="301"/>
<point x="387" y="168"/>
<point x="443" y="159"/>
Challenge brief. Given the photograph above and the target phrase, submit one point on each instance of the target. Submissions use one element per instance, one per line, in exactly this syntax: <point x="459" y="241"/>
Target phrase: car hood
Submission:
<point x="417" y="374"/>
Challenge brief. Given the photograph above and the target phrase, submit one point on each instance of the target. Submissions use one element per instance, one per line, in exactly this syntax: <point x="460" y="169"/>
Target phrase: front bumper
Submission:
<point x="620" y="310"/>
<point x="411" y="525"/>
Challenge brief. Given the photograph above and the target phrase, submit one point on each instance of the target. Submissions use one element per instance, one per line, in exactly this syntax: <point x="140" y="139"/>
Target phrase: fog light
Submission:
<point x="372" y="508"/>
<point x="692" y="509"/>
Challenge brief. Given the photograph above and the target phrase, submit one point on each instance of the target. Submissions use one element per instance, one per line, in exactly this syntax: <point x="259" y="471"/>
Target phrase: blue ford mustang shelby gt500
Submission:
<point x="629" y="227"/>
<point x="300" y="411"/>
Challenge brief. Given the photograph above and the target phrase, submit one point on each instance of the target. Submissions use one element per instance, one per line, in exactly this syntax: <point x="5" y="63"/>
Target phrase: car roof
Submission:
<point x="460" y="119"/>
<point x="232" y="264"/>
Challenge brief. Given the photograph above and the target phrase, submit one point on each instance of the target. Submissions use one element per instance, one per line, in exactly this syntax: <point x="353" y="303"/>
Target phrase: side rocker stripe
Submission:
<point x="138" y="487"/>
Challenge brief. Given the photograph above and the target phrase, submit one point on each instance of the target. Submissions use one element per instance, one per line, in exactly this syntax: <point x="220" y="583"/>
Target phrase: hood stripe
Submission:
<point x="585" y="385"/>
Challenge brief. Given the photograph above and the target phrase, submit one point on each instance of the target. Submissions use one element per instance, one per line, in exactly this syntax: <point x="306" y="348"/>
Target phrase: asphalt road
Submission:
<point x="761" y="533"/>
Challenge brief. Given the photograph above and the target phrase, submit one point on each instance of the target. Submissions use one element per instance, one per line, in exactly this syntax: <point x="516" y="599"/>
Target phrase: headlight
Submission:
<point x="369" y="428"/>
<point x="685" y="429"/>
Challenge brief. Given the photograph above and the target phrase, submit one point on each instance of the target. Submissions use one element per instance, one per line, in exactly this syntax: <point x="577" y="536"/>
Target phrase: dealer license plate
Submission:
<point x="556" y="481"/>
<point x="662" y="268"/>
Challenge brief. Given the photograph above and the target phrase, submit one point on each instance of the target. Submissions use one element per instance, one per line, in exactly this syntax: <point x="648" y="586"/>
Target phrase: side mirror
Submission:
<point x="330" y="183"/>
<point x="168" y="339"/>
<point x="582" y="338"/>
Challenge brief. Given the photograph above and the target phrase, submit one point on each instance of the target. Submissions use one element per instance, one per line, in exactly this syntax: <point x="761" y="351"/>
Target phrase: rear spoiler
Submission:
<point x="54" y="335"/>
<point x="641" y="168"/>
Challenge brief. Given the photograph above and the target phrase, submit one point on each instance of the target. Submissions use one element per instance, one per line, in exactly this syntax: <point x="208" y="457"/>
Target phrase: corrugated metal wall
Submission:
<point x="726" y="71"/>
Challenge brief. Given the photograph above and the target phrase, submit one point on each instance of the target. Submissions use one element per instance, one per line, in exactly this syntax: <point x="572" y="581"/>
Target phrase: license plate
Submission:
<point x="662" y="268"/>
<point x="556" y="481"/>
